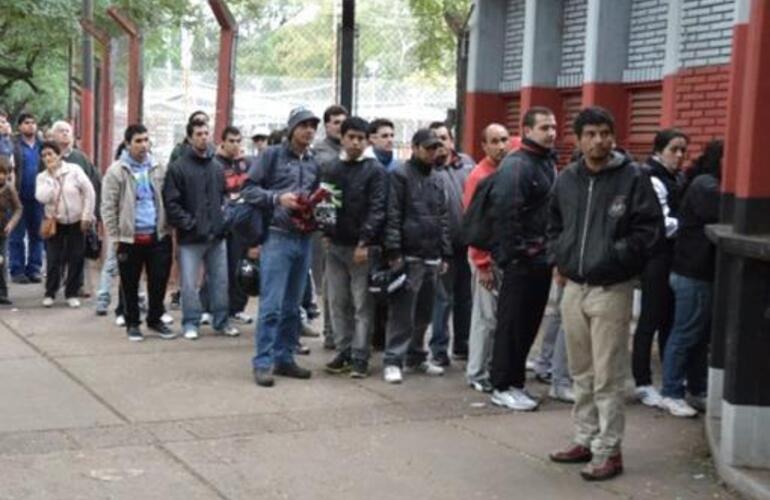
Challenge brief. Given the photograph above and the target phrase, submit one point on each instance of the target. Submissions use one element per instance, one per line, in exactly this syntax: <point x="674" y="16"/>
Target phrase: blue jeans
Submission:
<point x="453" y="297"/>
<point x="27" y="261"/>
<point x="108" y="274"/>
<point x="687" y="347"/>
<point x="214" y="256"/>
<point x="283" y="266"/>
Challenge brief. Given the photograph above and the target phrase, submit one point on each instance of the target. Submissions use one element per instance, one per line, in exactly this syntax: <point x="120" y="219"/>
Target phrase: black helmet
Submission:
<point x="384" y="281"/>
<point x="247" y="276"/>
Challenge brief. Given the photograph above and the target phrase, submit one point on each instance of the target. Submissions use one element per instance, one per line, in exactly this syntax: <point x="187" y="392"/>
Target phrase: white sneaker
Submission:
<point x="120" y="321"/>
<point x="649" y="396"/>
<point x="530" y="365"/>
<point x="392" y="374"/>
<point x="562" y="393"/>
<point x="513" y="399"/>
<point x="167" y="319"/>
<point x="678" y="407"/>
<point x="426" y="368"/>
<point x="191" y="334"/>
<point x="229" y="331"/>
<point x="73" y="302"/>
<point x="206" y="319"/>
<point x="48" y="302"/>
<point x="243" y="318"/>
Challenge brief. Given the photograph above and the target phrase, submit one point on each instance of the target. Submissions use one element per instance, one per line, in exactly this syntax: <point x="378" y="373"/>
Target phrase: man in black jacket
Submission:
<point x="416" y="234"/>
<point x="604" y="223"/>
<point x="520" y="196"/>
<point x="360" y="215"/>
<point x="193" y="195"/>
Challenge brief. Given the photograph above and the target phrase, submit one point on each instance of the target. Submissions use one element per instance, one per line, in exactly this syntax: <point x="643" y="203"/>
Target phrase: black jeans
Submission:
<point x="520" y="308"/>
<point x="65" y="252"/>
<point x="656" y="315"/>
<point x="155" y="258"/>
<point x="3" y="267"/>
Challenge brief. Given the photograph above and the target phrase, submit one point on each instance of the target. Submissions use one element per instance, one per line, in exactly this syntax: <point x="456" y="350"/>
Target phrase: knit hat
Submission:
<point x="298" y="115"/>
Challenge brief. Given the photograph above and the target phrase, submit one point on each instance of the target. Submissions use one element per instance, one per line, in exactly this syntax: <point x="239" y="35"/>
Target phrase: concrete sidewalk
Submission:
<point x="86" y="414"/>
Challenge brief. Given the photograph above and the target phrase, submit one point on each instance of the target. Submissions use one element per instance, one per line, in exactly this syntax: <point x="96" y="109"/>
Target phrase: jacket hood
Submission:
<point x="617" y="160"/>
<point x="368" y="154"/>
<point x="190" y="152"/>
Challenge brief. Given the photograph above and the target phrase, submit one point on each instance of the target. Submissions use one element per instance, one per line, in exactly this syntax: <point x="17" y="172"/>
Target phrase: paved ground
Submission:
<point x="86" y="414"/>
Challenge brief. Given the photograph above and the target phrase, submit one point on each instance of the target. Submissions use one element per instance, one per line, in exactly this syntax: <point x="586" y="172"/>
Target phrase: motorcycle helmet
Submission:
<point x="384" y="281"/>
<point x="247" y="276"/>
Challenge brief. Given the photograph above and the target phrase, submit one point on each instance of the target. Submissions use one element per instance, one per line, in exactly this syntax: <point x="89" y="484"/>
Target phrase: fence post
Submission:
<point x="135" y="73"/>
<point x="347" y="53"/>
<point x="226" y="69"/>
<point x="87" y="88"/>
<point x="106" y="112"/>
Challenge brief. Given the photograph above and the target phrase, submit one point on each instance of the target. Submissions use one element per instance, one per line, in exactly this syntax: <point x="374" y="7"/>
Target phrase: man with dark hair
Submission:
<point x="193" y="195"/>
<point x="360" y="214"/>
<point x="381" y="137"/>
<point x="6" y="142"/>
<point x="604" y="223"/>
<point x="453" y="291"/>
<point x="27" y="260"/>
<point x="135" y="222"/>
<point x="280" y="183"/>
<point x="326" y="152"/>
<point x="520" y="197"/>
<point x="416" y="235"/>
<point x="181" y="147"/>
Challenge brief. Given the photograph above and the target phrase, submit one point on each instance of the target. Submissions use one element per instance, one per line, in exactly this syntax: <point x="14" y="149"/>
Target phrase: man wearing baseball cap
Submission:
<point x="416" y="235"/>
<point x="283" y="175"/>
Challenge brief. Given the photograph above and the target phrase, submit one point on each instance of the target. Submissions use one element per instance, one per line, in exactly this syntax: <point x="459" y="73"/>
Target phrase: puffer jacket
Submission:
<point x="417" y="222"/>
<point x="603" y="226"/>
<point x="193" y="196"/>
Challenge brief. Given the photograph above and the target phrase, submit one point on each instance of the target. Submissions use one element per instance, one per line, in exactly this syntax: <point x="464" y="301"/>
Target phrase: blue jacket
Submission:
<point x="278" y="170"/>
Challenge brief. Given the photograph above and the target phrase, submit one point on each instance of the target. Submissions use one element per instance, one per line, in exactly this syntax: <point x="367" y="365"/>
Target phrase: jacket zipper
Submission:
<point x="585" y="226"/>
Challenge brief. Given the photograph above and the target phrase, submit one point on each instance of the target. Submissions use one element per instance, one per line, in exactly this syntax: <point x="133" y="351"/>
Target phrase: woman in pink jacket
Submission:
<point x="69" y="198"/>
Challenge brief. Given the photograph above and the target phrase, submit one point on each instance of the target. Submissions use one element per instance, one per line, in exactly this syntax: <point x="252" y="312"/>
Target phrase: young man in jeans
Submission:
<point x="359" y="220"/>
<point x="416" y="235"/>
<point x="193" y="195"/>
<point x="280" y="181"/>
<point x="604" y="222"/>
<point x="135" y="222"/>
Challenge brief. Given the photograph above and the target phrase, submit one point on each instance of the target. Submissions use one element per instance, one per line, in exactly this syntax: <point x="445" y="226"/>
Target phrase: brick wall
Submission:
<point x="573" y="42"/>
<point x="706" y="37"/>
<point x="701" y="104"/>
<point x="646" y="40"/>
<point x="514" y="44"/>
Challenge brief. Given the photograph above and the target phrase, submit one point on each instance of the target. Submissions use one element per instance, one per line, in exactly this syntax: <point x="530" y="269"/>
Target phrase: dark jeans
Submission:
<point x="453" y="296"/>
<point x="3" y="267"/>
<point x="656" y="315"/>
<point x="687" y="349"/>
<point x="156" y="260"/>
<point x="27" y="260"/>
<point x="520" y="308"/>
<point x="409" y="314"/>
<point x="65" y="252"/>
<point x="237" y="298"/>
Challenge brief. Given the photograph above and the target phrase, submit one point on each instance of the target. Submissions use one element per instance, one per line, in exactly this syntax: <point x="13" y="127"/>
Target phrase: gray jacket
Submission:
<point x="326" y="152"/>
<point x="119" y="201"/>
<point x="453" y="178"/>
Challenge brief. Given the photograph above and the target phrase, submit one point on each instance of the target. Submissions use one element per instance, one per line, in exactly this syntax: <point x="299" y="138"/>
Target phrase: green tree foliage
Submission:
<point x="441" y="25"/>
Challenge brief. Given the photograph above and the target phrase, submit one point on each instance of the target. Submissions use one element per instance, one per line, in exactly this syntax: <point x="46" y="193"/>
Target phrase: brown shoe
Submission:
<point x="606" y="469"/>
<point x="574" y="454"/>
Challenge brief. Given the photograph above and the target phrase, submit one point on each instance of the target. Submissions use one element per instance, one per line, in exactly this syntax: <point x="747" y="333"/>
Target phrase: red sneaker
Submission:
<point x="607" y="469"/>
<point x="574" y="454"/>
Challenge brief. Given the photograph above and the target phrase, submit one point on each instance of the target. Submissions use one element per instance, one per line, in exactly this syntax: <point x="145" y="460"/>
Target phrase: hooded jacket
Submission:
<point x="603" y="226"/>
<point x="417" y="222"/>
<point x="694" y="253"/>
<point x="454" y="175"/>
<point x="193" y="196"/>
<point x="361" y="215"/>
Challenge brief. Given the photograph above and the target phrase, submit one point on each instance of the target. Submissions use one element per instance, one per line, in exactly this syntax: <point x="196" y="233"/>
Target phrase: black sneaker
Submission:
<point x="163" y="331"/>
<point x="135" y="334"/>
<point x="5" y="301"/>
<point x="292" y="370"/>
<point x="441" y="359"/>
<point x="35" y="278"/>
<point x="359" y="368"/>
<point x="460" y="356"/>
<point x="340" y="364"/>
<point x="263" y="377"/>
<point x="20" y="279"/>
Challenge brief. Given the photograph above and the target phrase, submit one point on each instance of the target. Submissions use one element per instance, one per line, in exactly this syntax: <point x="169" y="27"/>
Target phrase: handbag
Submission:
<point x="48" y="226"/>
<point x="93" y="245"/>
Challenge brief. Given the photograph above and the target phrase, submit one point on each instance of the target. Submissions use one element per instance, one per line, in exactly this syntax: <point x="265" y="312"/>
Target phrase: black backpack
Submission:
<point x="245" y="219"/>
<point x="478" y="220"/>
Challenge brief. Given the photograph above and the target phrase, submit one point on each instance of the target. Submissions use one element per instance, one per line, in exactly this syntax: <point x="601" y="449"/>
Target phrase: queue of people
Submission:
<point x="393" y="248"/>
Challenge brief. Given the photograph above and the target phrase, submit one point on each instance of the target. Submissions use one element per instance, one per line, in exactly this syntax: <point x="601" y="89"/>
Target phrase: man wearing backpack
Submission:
<point x="278" y="184"/>
<point x="519" y="198"/>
